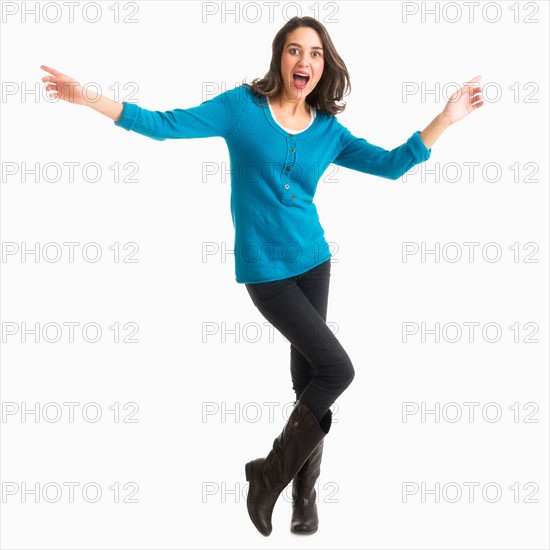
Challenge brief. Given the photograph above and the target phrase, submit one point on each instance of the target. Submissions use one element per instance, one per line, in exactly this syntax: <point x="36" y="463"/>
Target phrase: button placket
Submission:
<point x="289" y="196"/>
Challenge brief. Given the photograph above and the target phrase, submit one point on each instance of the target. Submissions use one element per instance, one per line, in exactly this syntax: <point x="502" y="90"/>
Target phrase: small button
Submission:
<point x="290" y="135"/>
<point x="293" y="196"/>
<point x="287" y="168"/>
<point x="287" y="186"/>
<point x="292" y="149"/>
<point x="295" y="424"/>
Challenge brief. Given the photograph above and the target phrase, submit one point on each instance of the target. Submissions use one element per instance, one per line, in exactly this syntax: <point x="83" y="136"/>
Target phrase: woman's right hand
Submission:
<point x="63" y="86"/>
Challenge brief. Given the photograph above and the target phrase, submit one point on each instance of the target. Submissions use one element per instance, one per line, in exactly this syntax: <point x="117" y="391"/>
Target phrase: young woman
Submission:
<point x="282" y="134"/>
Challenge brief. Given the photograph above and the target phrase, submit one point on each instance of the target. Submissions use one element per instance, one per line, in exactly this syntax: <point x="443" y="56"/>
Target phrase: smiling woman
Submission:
<point x="281" y="254"/>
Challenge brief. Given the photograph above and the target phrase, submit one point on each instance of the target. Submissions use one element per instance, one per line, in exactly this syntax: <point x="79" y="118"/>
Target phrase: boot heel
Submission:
<point x="247" y="471"/>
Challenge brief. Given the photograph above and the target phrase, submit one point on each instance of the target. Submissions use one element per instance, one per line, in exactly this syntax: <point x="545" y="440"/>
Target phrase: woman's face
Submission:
<point x="302" y="53"/>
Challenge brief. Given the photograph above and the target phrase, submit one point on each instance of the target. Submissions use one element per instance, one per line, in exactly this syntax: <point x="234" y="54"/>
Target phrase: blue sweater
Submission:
<point x="274" y="174"/>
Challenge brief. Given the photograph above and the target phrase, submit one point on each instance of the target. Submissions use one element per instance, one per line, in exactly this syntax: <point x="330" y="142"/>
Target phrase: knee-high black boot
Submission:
<point x="269" y="476"/>
<point x="304" y="508"/>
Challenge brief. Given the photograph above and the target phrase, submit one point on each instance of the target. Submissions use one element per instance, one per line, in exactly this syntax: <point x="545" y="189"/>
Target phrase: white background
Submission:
<point x="184" y="464"/>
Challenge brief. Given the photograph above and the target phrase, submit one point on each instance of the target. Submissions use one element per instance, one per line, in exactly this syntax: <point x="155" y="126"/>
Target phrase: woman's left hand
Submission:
<point x="464" y="101"/>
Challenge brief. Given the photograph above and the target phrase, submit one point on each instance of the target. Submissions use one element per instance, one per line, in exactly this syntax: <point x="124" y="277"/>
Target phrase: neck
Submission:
<point x="291" y="106"/>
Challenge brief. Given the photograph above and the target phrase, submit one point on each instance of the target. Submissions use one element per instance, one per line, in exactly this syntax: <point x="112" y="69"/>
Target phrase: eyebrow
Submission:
<point x="299" y="45"/>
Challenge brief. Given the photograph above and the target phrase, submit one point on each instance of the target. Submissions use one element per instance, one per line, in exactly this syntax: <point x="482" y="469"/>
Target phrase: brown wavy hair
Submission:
<point x="334" y="82"/>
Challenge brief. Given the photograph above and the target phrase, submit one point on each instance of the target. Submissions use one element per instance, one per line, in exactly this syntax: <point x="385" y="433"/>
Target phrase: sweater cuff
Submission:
<point x="419" y="149"/>
<point x="128" y="117"/>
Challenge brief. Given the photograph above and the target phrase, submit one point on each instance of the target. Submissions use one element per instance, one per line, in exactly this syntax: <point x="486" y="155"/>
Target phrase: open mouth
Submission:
<point x="300" y="79"/>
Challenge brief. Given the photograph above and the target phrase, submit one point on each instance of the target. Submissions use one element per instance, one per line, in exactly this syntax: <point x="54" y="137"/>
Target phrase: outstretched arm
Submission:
<point x="460" y="104"/>
<point x="358" y="154"/>
<point x="68" y="89"/>
<point x="214" y="117"/>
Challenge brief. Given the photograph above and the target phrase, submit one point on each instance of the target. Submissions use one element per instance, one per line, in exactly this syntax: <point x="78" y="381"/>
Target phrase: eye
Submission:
<point x="318" y="54"/>
<point x="293" y="50"/>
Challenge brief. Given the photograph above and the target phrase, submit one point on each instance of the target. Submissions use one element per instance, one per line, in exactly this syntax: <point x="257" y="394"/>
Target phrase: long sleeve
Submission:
<point x="358" y="154"/>
<point x="214" y="117"/>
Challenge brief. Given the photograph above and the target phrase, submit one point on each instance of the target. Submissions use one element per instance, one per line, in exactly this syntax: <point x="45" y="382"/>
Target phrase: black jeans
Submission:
<point x="297" y="307"/>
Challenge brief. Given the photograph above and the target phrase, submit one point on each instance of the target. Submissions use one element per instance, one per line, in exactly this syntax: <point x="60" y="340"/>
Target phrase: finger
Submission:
<point x="50" y="70"/>
<point x="471" y="86"/>
<point x="470" y="83"/>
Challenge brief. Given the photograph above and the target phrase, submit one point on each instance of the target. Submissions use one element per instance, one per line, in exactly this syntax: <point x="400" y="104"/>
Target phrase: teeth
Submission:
<point x="301" y="74"/>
